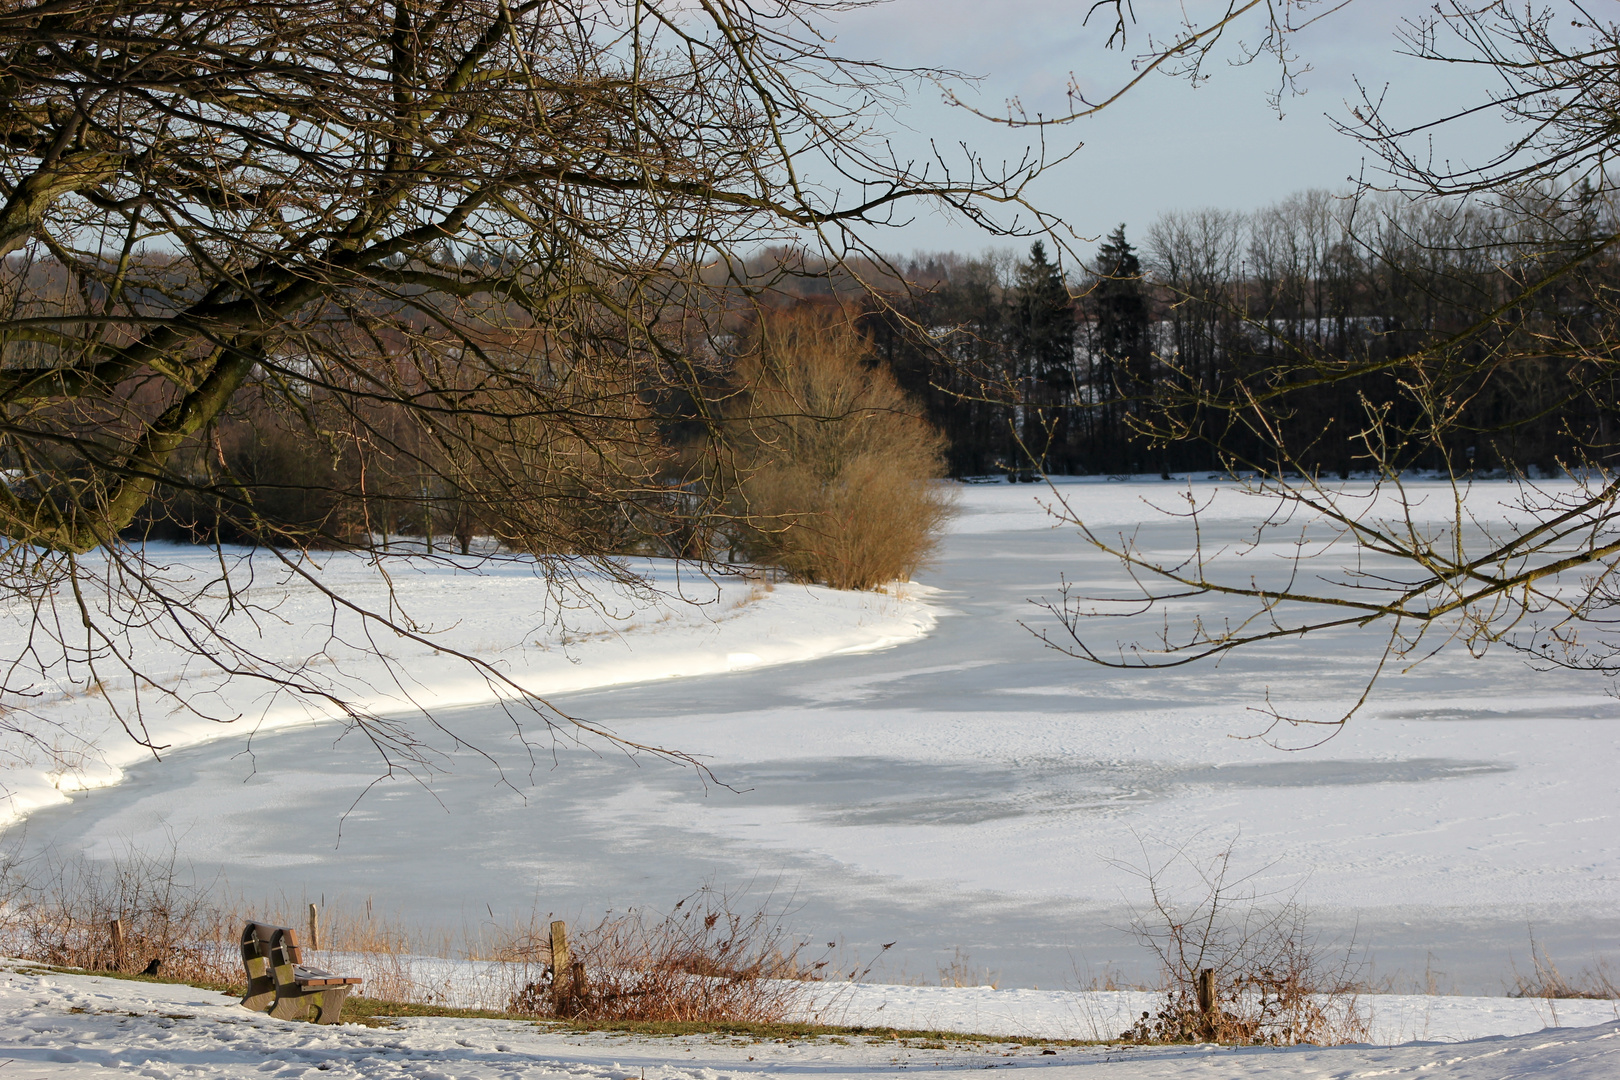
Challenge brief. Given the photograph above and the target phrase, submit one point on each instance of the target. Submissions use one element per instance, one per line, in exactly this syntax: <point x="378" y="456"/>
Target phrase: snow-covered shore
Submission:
<point x="1103" y="1014"/>
<point x="80" y="1026"/>
<point x="1016" y="1013"/>
<point x="545" y="637"/>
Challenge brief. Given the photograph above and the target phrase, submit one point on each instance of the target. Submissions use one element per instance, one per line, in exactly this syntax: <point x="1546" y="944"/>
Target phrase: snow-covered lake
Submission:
<point x="966" y="790"/>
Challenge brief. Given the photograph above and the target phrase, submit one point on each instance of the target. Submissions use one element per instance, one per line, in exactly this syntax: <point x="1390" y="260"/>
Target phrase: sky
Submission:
<point x="1166" y="145"/>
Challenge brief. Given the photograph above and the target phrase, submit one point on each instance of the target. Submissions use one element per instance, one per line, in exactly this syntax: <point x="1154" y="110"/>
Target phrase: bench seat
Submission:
<point x="308" y="976"/>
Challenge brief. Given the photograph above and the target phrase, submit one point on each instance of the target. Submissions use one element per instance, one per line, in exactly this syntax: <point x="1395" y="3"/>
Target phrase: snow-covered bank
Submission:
<point x="1097" y="1015"/>
<point x="1104" y="1014"/>
<point x="549" y="640"/>
<point x="75" y="1026"/>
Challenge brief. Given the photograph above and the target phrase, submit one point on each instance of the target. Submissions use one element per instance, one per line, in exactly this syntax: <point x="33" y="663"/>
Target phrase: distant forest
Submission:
<point x="1140" y="361"/>
<point x="1323" y="336"/>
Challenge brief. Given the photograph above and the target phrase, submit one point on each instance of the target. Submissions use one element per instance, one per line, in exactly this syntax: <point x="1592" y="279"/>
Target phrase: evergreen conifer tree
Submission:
<point x="1121" y="354"/>
<point x="1044" y="353"/>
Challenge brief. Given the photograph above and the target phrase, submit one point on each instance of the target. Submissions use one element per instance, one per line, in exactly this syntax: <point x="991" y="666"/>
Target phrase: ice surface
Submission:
<point x="546" y="633"/>
<point x="970" y="789"/>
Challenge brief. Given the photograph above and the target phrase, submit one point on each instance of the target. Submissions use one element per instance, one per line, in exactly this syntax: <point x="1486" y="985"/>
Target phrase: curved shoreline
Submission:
<point x="503" y="613"/>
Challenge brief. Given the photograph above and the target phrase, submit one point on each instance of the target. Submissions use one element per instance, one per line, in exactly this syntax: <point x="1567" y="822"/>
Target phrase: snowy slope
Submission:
<point x="81" y="1027"/>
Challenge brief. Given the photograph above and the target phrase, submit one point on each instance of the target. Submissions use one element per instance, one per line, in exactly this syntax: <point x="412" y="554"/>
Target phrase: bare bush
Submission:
<point x="706" y="961"/>
<point x="1275" y="981"/>
<point x="59" y="912"/>
<point x="838" y="464"/>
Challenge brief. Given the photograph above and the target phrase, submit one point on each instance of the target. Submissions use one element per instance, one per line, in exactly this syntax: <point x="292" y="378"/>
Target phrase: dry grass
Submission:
<point x="181" y="927"/>
<point x="1597" y="981"/>
<point x="710" y="961"/>
<point x="707" y="961"/>
<point x="59" y="913"/>
<point x="704" y="962"/>
<point x="960" y="971"/>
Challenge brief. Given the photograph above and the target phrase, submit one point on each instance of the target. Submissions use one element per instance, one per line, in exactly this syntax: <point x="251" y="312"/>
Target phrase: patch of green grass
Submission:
<point x="374" y="1013"/>
<point x="784" y="1030"/>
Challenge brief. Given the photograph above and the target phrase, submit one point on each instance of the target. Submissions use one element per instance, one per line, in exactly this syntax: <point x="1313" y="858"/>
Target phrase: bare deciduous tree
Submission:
<point x="1505" y="276"/>
<point x="316" y="275"/>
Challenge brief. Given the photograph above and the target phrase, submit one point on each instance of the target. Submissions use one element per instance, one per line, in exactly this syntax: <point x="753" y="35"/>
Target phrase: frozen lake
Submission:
<point x="971" y="790"/>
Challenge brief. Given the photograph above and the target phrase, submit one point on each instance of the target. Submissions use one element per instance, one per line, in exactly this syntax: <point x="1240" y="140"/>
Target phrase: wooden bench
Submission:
<point x="280" y="984"/>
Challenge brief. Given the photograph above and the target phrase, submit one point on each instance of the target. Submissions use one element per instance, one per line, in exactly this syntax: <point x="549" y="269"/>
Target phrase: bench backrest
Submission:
<point x="269" y="952"/>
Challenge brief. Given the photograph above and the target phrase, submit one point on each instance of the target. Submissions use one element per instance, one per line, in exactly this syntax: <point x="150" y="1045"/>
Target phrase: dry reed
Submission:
<point x="704" y="962"/>
<point x="1598" y="981"/>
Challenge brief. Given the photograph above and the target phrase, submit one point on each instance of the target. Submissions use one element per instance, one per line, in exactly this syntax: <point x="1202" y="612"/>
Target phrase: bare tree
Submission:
<point x="1501" y="277"/>
<point x="316" y="275"/>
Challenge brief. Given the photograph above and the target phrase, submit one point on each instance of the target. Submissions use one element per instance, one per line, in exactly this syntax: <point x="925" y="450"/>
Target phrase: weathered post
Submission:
<point x="314" y="927"/>
<point x="116" y="928"/>
<point x="580" y="990"/>
<point x="1206" y="1002"/>
<point x="562" y="972"/>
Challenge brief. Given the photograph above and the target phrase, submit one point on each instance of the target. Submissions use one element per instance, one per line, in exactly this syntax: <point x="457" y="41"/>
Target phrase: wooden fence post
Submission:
<point x="1206" y="1001"/>
<point x="116" y="928"/>
<point x="580" y="991"/>
<point x="314" y="927"/>
<point x="562" y="972"/>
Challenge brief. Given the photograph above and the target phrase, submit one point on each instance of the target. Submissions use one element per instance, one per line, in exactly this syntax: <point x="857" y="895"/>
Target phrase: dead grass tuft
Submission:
<point x="703" y="962"/>
<point x="960" y="971"/>
<point x="1597" y="981"/>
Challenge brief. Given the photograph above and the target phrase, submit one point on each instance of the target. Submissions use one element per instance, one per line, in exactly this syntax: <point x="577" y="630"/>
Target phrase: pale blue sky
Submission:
<point x="1166" y="145"/>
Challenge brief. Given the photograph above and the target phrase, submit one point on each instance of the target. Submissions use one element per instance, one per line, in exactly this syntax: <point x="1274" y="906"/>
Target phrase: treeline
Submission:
<point x="1321" y="335"/>
<point x="1377" y="333"/>
<point x="781" y="443"/>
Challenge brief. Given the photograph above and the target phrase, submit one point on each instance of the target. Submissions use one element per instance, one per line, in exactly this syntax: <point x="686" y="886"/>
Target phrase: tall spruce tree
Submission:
<point x="1120" y="361"/>
<point x="1043" y="347"/>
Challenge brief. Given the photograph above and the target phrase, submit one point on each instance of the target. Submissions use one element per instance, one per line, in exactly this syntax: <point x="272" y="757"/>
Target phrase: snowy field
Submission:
<point x="81" y="1026"/>
<point x="956" y="789"/>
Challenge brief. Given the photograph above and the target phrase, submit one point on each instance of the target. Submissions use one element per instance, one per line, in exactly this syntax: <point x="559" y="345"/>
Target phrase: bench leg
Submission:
<point x="291" y="1007"/>
<point x="261" y="993"/>
<point x="261" y="985"/>
<point x="317" y="1006"/>
<point x="329" y="1005"/>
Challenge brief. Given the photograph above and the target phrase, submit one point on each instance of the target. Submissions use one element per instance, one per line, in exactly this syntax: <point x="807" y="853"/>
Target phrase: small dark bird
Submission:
<point x="152" y="968"/>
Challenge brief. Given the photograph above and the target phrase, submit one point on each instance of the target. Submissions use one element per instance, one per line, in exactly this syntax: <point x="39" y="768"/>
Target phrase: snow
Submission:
<point x="79" y="1026"/>
<point x="548" y="636"/>
<point x="1096" y="1015"/>
<point x="963" y="788"/>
